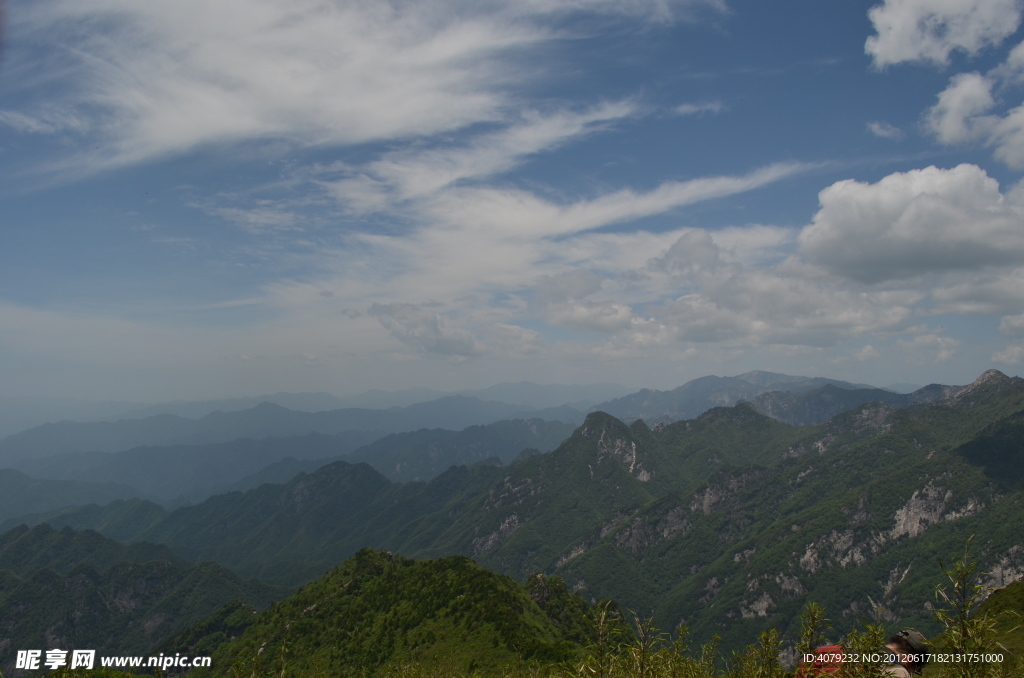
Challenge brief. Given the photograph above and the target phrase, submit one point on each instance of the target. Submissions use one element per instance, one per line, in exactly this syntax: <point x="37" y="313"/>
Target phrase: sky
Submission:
<point x="221" y="199"/>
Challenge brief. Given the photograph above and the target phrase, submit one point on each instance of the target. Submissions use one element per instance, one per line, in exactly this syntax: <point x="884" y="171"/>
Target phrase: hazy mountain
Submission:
<point x="186" y="474"/>
<point x="196" y="409"/>
<point x="21" y="413"/>
<point x="699" y="395"/>
<point x="821" y="404"/>
<point x="24" y="550"/>
<point x="263" y="421"/>
<point x="903" y="387"/>
<point x="541" y="396"/>
<point x="524" y="394"/>
<point x="21" y="494"/>
<point x="425" y="454"/>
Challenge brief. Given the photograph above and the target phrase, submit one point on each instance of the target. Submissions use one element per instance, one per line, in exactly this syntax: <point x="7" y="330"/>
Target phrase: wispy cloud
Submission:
<point x="885" y="130"/>
<point x="408" y="174"/>
<point x="699" y="108"/>
<point x="155" y="79"/>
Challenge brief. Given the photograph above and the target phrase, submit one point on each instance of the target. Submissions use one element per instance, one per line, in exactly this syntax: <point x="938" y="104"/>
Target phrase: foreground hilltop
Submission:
<point x="379" y="609"/>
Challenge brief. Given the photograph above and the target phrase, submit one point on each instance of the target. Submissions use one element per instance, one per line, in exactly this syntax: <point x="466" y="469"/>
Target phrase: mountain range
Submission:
<point x="731" y="508"/>
<point x="729" y="521"/>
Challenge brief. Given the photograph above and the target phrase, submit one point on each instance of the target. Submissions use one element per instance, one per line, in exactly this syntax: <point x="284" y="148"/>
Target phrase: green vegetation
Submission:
<point x="384" y="616"/>
<point x="730" y="523"/>
<point x="379" y="611"/>
<point x="79" y="589"/>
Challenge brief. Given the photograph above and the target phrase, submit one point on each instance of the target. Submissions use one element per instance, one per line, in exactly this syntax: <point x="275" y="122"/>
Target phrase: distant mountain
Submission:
<point x="821" y="404"/>
<point x="197" y="409"/>
<point x="425" y="454"/>
<point x="699" y="395"/>
<point x="21" y="413"/>
<point x="263" y="421"/>
<point x="524" y="394"/>
<point x="114" y="606"/>
<point x="902" y="387"/>
<point x="21" y="494"/>
<point x="24" y="550"/>
<point x="187" y="474"/>
<point x="541" y="396"/>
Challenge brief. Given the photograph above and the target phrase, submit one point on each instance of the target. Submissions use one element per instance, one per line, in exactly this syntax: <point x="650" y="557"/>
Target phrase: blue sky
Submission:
<point x="208" y="199"/>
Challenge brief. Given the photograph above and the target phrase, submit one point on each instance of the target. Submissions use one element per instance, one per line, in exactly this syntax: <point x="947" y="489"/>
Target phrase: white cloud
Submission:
<point x="521" y="214"/>
<point x="1011" y="355"/>
<point x="43" y="122"/>
<point x="753" y="244"/>
<point x="487" y="239"/>
<point x="957" y="116"/>
<point x="868" y="352"/>
<point x="930" y="30"/>
<point x="930" y="346"/>
<point x="409" y="174"/>
<point x="425" y="330"/>
<point x="1012" y="325"/>
<point x="700" y="107"/>
<point x="512" y="340"/>
<point x="909" y="223"/>
<point x="787" y="304"/>
<point x="885" y="130"/>
<point x="164" y="78"/>
<point x="589" y="315"/>
<point x="997" y="291"/>
<point x="259" y="219"/>
<point x="967" y="111"/>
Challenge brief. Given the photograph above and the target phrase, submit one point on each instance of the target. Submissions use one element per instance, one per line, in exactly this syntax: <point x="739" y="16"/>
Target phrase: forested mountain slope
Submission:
<point x="63" y="589"/>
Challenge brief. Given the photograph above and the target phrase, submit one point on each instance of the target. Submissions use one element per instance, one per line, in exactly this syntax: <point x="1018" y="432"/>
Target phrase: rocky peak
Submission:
<point x="990" y="381"/>
<point x="991" y="377"/>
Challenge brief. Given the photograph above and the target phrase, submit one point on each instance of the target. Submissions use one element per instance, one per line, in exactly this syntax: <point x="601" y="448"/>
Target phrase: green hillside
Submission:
<point x="24" y="550"/>
<point x="378" y="610"/>
<point x="61" y="589"/>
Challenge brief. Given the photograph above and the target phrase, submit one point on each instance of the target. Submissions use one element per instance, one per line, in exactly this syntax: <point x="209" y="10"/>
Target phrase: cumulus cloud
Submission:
<point x="930" y="30"/>
<point x="956" y="117"/>
<point x="967" y="110"/>
<point x="1012" y="325"/>
<point x="997" y="291"/>
<point x="868" y="352"/>
<point x="1011" y="355"/>
<point x="589" y="315"/>
<point x="930" y="346"/>
<point x="780" y="305"/>
<point x="909" y="223"/>
<point x="424" y="329"/>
